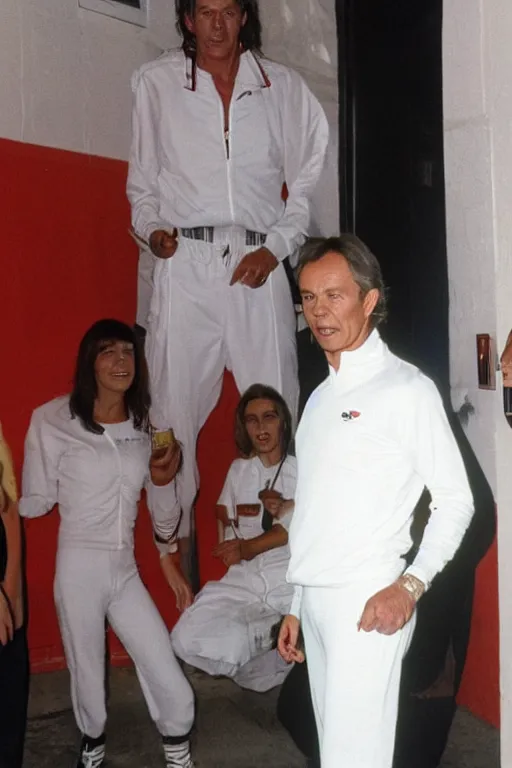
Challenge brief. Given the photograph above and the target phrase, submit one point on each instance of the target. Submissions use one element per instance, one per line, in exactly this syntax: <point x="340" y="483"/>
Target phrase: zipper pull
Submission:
<point x="226" y="141"/>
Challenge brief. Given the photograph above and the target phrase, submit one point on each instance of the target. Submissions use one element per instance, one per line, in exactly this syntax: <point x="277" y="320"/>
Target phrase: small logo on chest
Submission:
<point x="350" y="415"/>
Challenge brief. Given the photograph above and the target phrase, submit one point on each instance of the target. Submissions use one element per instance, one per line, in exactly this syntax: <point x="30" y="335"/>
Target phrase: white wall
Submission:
<point x="478" y="169"/>
<point x="66" y="75"/>
<point x="66" y="72"/>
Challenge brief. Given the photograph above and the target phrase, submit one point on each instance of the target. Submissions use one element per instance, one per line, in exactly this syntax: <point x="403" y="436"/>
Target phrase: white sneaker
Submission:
<point x="92" y="752"/>
<point x="177" y="755"/>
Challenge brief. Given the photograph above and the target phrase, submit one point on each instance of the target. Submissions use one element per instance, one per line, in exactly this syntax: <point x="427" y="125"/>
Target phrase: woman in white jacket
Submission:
<point x="90" y="453"/>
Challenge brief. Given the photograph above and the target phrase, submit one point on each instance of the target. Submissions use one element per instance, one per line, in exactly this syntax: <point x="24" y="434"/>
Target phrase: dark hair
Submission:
<point x="250" y="34"/>
<point x="137" y="399"/>
<point x="362" y="263"/>
<point x="262" y="392"/>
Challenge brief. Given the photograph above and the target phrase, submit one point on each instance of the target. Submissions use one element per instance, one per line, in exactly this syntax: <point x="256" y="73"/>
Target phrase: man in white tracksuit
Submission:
<point x="217" y="133"/>
<point x="372" y="436"/>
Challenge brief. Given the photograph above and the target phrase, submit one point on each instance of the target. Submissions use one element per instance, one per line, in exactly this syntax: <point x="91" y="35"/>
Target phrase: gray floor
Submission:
<point x="235" y="728"/>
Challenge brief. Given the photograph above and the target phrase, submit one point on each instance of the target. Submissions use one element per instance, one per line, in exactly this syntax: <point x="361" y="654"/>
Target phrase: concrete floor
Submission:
<point x="235" y="729"/>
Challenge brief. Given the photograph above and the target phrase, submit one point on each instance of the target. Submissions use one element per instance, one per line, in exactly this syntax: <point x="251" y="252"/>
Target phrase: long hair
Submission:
<point x="262" y="392"/>
<point x="250" y="34"/>
<point x="85" y="389"/>
<point x="362" y="263"/>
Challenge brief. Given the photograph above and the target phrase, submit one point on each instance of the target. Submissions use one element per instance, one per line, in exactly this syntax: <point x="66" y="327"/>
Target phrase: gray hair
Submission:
<point x="362" y="263"/>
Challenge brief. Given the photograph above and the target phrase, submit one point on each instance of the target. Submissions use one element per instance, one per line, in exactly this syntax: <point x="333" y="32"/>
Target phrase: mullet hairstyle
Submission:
<point x="262" y="392"/>
<point x="137" y="399"/>
<point x="250" y="34"/>
<point x="362" y="263"/>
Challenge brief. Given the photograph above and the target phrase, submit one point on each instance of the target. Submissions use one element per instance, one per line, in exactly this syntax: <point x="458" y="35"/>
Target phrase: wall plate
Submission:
<point x="486" y="361"/>
<point x="132" y="11"/>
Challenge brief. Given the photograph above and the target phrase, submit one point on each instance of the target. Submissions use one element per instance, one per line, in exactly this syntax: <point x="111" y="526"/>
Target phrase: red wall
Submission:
<point x="480" y="689"/>
<point x="67" y="260"/>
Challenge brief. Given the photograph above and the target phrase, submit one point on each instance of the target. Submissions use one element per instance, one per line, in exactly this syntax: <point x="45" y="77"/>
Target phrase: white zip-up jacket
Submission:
<point x="185" y="171"/>
<point x="372" y="436"/>
<point x="95" y="479"/>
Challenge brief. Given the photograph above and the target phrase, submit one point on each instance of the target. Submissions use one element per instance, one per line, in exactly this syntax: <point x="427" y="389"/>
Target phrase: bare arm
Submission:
<point x="12" y="578"/>
<point x="221" y="513"/>
<point x="276" y="537"/>
<point x="171" y="569"/>
<point x="12" y="526"/>
<point x="234" y="551"/>
<point x="11" y="607"/>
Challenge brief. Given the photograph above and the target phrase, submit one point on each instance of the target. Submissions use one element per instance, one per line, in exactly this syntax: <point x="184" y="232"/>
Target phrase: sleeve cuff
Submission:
<point x="277" y="245"/>
<point x="296" y="602"/>
<point x="148" y="230"/>
<point x="166" y="548"/>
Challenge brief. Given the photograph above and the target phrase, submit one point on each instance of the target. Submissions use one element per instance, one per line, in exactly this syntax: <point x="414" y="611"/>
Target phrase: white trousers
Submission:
<point x="198" y="326"/>
<point x="92" y="586"/>
<point x="354" y="677"/>
<point x="227" y="630"/>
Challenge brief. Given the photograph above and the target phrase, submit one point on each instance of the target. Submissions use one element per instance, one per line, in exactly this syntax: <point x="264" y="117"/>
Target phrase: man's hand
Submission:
<point x="177" y="582"/>
<point x="230" y="552"/>
<point x="163" y="244"/>
<point x="288" y="639"/>
<point x="6" y="626"/>
<point x="387" y="611"/>
<point x="254" y="268"/>
<point x="165" y="464"/>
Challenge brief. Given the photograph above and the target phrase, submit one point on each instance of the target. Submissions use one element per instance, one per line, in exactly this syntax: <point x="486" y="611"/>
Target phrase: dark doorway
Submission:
<point x="392" y="164"/>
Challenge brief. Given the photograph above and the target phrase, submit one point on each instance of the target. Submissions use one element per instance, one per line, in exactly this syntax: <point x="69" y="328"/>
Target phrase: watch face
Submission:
<point x="414" y="586"/>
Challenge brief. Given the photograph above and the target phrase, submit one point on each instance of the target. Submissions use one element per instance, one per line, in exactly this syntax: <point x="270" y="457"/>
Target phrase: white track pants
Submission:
<point x="198" y="326"/>
<point x="354" y="677"/>
<point x="227" y="630"/>
<point x="90" y="587"/>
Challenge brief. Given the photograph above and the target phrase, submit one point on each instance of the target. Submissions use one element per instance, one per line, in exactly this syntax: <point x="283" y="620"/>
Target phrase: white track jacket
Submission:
<point x="95" y="479"/>
<point x="186" y="171"/>
<point x="372" y="436"/>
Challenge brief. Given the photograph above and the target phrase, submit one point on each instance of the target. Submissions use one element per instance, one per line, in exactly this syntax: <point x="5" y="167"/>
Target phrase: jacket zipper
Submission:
<point x="120" y="508"/>
<point x="227" y="140"/>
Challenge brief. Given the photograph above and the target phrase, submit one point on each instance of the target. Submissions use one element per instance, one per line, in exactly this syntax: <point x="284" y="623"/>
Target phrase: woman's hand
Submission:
<point x="177" y="582"/>
<point x="164" y="464"/>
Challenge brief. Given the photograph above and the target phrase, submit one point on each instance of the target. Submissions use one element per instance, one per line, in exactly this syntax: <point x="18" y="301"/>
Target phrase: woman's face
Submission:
<point x="114" y="366"/>
<point x="263" y="425"/>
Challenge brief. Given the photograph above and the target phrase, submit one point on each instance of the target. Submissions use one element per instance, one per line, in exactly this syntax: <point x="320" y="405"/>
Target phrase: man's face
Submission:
<point x="216" y="25"/>
<point x="334" y="307"/>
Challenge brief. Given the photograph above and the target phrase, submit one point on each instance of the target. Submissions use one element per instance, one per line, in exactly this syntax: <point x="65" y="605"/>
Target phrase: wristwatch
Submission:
<point x="412" y="585"/>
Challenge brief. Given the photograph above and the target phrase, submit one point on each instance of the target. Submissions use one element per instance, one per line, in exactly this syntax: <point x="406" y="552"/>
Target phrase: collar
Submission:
<point x="361" y="364"/>
<point x="251" y="73"/>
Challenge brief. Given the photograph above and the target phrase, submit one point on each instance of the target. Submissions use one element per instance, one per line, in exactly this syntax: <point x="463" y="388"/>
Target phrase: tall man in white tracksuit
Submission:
<point x="218" y="131"/>
<point x="372" y="436"/>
